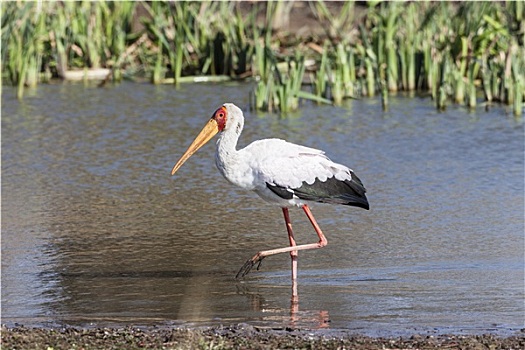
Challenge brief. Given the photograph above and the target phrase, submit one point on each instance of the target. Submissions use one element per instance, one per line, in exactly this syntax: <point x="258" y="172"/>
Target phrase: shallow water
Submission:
<point x="96" y="232"/>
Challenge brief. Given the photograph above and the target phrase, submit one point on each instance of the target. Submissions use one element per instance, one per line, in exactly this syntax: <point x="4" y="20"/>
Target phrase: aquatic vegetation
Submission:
<point x="455" y="52"/>
<point x="281" y="89"/>
<point x="23" y="35"/>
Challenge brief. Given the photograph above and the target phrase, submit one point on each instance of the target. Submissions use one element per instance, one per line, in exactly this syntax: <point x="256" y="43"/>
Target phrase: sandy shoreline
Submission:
<point x="238" y="337"/>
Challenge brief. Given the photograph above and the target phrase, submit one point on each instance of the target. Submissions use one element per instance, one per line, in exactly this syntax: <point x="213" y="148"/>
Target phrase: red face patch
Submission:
<point x="220" y="116"/>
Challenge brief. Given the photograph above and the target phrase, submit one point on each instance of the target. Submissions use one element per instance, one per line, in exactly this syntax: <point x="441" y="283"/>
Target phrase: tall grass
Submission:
<point x="23" y="35"/>
<point x="456" y="52"/>
<point x="279" y="87"/>
<point x="50" y="36"/>
<point x="444" y="48"/>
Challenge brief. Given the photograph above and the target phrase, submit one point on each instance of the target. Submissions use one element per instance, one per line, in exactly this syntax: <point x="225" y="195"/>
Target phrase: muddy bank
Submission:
<point x="237" y="337"/>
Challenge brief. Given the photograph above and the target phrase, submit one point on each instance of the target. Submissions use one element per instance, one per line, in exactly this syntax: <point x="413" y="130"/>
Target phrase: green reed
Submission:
<point x="280" y="88"/>
<point x="335" y="24"/>
<point x="321" y="77"/>
<point x="452" y="51"/>
<point x="23" y="35"/>
<point x="50" y="36"/>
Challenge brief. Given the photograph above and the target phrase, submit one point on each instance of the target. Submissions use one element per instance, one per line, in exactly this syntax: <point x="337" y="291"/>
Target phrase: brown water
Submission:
<point x="96" y="232"/>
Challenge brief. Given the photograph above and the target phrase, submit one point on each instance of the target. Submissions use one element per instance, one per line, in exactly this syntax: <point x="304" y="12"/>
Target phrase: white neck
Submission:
<point x="227" y="156"/>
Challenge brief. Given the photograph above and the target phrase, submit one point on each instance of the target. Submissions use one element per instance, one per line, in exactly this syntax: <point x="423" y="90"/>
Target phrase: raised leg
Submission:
<point x="322" y="239"/>
<point x="257" y="258"/>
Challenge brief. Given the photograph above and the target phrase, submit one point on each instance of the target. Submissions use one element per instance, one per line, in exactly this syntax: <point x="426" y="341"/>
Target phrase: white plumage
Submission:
<point x="271" y="161"/>
<point x="289" y="165"/>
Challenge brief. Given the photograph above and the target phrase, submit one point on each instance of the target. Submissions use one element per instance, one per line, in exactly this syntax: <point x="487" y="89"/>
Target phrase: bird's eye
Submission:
<point x="220" y="118"/>
<point x="220" y="113"/>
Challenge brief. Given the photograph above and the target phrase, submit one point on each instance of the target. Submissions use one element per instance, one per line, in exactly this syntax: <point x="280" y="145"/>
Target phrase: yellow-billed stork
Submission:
<point x="281" y="173"/>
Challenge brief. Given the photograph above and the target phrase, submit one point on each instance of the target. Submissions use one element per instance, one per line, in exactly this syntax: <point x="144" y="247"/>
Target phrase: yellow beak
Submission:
<point x="210" y="129"/>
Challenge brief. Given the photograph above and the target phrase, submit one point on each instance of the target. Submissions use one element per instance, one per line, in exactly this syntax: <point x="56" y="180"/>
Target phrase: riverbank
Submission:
<point x="238" y="337"/>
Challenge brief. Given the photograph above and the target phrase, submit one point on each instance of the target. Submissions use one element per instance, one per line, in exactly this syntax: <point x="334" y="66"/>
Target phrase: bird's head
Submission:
<point x="226" y="117"/>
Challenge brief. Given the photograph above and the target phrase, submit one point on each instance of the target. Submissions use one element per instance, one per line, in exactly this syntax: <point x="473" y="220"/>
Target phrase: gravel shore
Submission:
<point x="237" y="337"/>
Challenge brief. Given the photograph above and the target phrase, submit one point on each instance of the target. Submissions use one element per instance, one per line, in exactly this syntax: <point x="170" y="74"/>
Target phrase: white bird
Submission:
<point x="281" y="173"/>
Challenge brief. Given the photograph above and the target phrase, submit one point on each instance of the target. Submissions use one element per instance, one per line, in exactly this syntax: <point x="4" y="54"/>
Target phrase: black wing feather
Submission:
<point x="333" y="191"/>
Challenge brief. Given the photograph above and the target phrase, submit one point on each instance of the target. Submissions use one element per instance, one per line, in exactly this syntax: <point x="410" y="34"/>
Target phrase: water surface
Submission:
<point x="95" y="231"/>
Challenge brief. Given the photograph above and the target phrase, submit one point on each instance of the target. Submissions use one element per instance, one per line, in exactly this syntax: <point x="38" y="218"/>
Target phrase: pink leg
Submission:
<point x="322" y="239"/>
<point x="257" y="258"/>
<point x="293" y="254"/>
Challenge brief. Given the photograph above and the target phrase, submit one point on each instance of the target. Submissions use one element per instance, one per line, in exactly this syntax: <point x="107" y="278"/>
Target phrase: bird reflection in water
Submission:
<point x="289" y="318"/>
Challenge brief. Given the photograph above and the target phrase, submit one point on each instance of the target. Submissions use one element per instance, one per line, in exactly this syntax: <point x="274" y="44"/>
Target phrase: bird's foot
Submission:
<point x="248" y="265"/>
